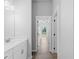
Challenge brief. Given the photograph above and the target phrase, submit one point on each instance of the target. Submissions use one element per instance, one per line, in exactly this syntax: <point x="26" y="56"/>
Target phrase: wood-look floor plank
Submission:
<point x="43" y="52"/>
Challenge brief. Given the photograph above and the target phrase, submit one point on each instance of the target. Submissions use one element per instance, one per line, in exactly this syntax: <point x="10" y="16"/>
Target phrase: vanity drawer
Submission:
<point x="20" y="51"/>
<point x="8" y="54"/>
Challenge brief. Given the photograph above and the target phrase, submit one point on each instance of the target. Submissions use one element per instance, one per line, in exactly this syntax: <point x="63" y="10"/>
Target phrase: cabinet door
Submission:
<point x="20" y="51"/>
<point x="9" y="19"/>
<point x="8" y="54"/>
<point x="21" y="18"/>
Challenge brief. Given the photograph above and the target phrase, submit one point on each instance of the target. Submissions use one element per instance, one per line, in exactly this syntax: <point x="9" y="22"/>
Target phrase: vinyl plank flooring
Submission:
<point x="43" y="52"/>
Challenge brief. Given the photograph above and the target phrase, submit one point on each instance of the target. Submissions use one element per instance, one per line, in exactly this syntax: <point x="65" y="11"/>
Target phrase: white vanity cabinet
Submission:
<point x="8" y="19"/>
<point x="20" y="51"/>
<point x="8" y="54"/>
<point x="17" y="49"/>
<point x="17" y="18"/>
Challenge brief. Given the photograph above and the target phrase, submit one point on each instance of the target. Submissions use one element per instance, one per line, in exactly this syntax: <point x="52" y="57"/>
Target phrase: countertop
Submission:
<point x="12" y="44"/>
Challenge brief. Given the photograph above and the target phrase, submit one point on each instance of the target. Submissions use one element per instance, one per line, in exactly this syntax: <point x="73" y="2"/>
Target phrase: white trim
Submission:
<point x="29" y="57"/>
<point x="36" y="36"/>
<point x="58" y="30"/>
<point x="34" y="50"/>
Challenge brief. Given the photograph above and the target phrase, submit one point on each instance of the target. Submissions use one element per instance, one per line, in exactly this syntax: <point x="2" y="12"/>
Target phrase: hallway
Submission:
<point x="43" y="52"/>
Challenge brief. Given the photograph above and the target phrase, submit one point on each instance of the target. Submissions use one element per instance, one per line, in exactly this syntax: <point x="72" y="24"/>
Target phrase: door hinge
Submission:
<point x="54" y="34"/>
<point x="54" y="48"/>
<point x="54" y="20"/>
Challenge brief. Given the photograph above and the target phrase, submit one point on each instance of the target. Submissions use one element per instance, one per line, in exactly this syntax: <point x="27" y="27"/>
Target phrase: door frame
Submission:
<point x="57" y="17"/>
<point x="36" y="33"/>
<point x="49" y="41"/>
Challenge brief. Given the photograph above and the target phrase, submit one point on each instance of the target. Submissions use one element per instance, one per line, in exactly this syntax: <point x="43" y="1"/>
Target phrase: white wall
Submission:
<point x="66" y="32"/>
<point x="39" y="8"/>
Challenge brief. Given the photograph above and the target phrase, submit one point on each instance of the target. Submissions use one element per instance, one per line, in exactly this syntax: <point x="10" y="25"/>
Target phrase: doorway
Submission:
<point x="43" y="31"/>
<point x="43" y="36"/>
<point x="43" y="45"/>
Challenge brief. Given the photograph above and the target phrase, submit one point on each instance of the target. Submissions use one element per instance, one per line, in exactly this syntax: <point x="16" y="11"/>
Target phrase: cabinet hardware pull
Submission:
<point x="22" y="51"/>
<point x="54" y="20"/>
<point x="5" y="57"/>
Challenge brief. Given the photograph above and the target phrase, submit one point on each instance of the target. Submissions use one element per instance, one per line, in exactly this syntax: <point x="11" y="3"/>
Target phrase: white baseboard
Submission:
<point x="51" y="51"/>
<point x="34" y="50"/>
